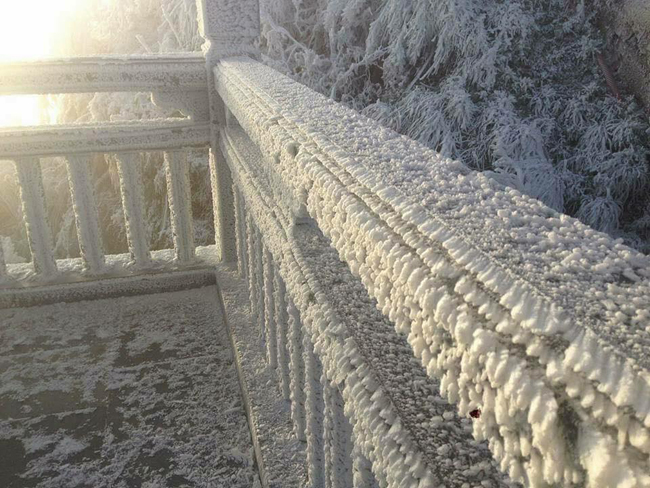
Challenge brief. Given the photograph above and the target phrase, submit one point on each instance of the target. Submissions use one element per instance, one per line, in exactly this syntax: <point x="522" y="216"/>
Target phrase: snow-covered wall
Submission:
<point x="523" y="313"/>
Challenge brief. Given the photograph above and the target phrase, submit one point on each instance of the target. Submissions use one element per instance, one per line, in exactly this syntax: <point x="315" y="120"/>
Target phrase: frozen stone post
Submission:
<point x="296" y="370"/>
<point x="240" y="224"/>
<point x="35" y="215"/>
<point x="85" y="211"/>
<point x="230" y="28"/>
<point x="3" y="265"/>
<point x="314" y="415"/>
<point x="269" y="310"/>
<point x="177" y="170"/>
<point x="128" y="168"/>
<point x="281" y="322"/>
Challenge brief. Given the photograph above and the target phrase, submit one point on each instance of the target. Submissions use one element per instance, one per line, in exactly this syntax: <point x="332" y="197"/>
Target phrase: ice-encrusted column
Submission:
<point x="337" y="438"/>
<point x="85" y="211"/>
<point x="259" y="285"/>
<point x="230" y="28"/>
<point x="240" y="228"/>
<point x="177" y="170"/>
<point x="3" y="265"/>
<point x="269" y="310"/>
<point x="39" y="234"/>
<point x="252" y="271"/>
<point x="281" y="321"/>
<point x="296" y="370"/>
<point x="314" y="415"/>
<point x="132" y="190"/>
<point x="362" y="476"/>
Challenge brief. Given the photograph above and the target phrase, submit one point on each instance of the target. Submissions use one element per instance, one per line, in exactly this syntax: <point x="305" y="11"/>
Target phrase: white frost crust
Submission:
<point x="529" y="315"/>
<point x="329" y="347"/>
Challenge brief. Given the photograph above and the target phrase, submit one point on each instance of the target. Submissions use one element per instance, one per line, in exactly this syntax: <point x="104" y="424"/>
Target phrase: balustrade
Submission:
<point x="178" y="81"/>
<point x="386" y="283"/>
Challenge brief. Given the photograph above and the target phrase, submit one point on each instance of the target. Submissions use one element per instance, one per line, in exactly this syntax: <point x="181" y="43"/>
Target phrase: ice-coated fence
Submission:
<point x="176" y="81"/>
<point x="428" y="326"/>
<point x="534" y="325"/>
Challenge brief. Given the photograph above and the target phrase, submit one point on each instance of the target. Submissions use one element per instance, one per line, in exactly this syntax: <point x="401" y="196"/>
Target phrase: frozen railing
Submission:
<point x="535" y="325"/>
<point x="406" y="302"/>
<point x="176" y="81"/>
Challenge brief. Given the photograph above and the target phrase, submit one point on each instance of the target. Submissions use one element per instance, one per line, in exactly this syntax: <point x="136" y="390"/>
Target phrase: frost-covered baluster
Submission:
<point x="35" y="215"/>
<point x="259" y="284"/>
<point x="85" y="211"/>
<point x="314" y="415"/>
<point x="252" y="275"/>
<point x="132" y="190"/>
<point x="177" y="170"/>
<point x="328" y="433"/>
<point x="337" y="439"/>
<point x="296" y="370"/>
<point x="281" y="320"/>
<point x="230" y="28"/>
<point x="362" y="470"/>
<point x="240" y="225"/>
<point x="269" y="310"/>
<point x="3" y="265"/>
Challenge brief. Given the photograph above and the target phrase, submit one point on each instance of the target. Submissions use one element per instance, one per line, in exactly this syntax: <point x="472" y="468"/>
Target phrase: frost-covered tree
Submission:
<point x="513" y="88"/>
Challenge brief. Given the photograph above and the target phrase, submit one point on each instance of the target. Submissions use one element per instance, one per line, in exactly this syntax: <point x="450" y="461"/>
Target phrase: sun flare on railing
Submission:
<point x="36" y="38"/>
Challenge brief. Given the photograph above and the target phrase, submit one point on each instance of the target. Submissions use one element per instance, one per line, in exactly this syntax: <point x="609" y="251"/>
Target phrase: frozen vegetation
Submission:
<point x="511" y="88"/>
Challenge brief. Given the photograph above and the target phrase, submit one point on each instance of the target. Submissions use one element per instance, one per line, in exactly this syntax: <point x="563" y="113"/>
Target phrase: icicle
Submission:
<point x="314" y="415"/>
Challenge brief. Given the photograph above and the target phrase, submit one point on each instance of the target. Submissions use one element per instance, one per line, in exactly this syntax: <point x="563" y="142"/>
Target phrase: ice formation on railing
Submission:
<point x="27" y="145"/>
<point x="527" y="315"/>
<point x="403" y="432"/>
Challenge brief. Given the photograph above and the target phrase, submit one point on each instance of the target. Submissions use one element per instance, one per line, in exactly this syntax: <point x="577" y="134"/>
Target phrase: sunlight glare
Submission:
<point x="28" y="30"/>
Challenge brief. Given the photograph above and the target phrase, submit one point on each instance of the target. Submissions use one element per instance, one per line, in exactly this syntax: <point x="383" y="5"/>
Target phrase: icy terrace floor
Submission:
<point x="137" y="391"/>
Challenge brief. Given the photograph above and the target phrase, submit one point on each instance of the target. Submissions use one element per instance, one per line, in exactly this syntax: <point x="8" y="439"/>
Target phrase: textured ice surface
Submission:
<point x="539" y="321"/>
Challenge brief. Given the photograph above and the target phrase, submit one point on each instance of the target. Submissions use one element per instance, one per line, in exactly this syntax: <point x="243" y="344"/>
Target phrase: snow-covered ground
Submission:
<point x="134" y="391"/>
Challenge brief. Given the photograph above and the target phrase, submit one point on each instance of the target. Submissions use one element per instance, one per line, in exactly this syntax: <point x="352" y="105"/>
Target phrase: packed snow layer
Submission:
<point x="526" y="314"/>
<point x="131" y="391"/>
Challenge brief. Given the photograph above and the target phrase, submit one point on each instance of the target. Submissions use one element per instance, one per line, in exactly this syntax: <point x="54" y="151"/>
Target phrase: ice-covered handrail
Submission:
<point x="183" y="71"/>
<point x="538" y="321"/>
<point x="62" y="140"/>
